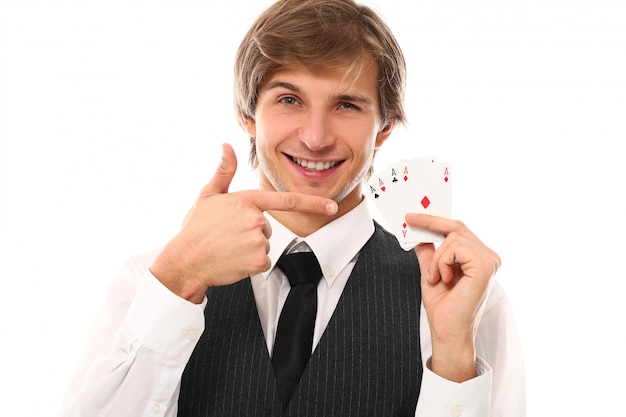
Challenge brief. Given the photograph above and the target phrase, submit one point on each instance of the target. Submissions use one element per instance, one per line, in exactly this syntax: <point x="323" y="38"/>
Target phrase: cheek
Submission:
<point x="262" y="151"/>
<point x="262" y="139"/>
<point x="267" y="144"/>
<point x="364" y="149"/>
<point x="269" y="131"/>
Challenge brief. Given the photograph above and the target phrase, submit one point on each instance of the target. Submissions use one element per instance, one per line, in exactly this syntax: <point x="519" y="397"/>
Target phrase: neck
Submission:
<point x="304" y="224"/>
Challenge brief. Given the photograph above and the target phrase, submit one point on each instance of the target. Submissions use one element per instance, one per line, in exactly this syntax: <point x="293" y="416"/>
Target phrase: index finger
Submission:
<point x="291" y="201"/>
<point x="436" y="224"/>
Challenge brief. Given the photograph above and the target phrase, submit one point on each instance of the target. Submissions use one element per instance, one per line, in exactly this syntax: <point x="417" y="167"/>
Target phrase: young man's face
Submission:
<point x="316" y="131"/>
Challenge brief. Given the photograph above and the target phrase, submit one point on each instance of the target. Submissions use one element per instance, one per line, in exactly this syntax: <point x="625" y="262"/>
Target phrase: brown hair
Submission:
<point x="319" y="33"/>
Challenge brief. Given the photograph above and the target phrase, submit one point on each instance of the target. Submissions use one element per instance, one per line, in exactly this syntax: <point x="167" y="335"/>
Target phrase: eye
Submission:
<point x="289" y="100"/>
<point x="348" y="105"/>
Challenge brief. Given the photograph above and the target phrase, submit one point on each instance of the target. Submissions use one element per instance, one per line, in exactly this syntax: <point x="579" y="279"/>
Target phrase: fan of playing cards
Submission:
<point x="420" y="185"/>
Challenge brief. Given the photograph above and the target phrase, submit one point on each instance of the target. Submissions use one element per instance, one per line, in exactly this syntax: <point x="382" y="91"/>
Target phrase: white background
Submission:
<point x="112" y="114"/>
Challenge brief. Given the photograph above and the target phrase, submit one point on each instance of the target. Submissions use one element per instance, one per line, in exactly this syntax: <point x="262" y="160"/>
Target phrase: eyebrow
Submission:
<point x="365" y="101"/>
<point x="356" y="98"/>
<point x="283" y="84"/>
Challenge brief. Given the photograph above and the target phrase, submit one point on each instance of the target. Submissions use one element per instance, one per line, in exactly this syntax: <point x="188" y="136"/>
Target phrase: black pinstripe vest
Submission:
<point x="368" y="362"/>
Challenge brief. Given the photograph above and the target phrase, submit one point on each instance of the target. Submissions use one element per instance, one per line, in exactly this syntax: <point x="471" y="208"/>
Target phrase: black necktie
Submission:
<point x="294" y="335"/>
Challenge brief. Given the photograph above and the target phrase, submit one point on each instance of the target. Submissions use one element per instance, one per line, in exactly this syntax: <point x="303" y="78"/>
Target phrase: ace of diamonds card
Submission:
<point x="419" y="185"/>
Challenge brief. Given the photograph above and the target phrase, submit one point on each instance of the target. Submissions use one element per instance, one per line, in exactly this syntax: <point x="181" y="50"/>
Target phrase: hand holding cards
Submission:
<point x="420" y="185"/>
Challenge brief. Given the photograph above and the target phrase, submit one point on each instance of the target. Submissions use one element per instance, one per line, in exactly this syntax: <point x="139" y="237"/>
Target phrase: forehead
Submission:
<point x="361" y="76"/>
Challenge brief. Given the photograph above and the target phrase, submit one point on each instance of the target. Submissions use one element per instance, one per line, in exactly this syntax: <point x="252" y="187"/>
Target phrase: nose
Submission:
<point x="316" y="130"/>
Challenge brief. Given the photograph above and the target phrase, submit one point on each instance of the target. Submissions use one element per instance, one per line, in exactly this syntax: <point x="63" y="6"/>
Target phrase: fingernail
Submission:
<point x="331" y="208"/>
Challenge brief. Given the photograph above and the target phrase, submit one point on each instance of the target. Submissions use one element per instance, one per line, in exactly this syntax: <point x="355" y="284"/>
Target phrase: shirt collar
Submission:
<point x="334" y="245"/>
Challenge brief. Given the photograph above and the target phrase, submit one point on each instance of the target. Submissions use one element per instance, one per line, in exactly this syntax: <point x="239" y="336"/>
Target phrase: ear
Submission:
<point x="385" y="132"/>
<point x="249" y="125"/>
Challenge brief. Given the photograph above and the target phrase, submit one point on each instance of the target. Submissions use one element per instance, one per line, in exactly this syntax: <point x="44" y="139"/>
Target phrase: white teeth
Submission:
<point x="315" y="166"/>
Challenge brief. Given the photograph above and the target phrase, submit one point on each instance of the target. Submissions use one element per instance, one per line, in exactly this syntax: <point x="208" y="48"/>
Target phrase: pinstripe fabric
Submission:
<point x="367" y="363"/>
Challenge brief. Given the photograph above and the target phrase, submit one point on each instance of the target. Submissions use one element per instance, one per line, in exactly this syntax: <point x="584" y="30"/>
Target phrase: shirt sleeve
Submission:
<point x="442" y="398"/>
<point x="137" y="350"/>
<point x="497" y="342"/>
<point x="499" y="387"/>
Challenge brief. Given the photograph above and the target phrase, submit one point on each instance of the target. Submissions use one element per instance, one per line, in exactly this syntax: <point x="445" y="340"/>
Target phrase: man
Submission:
<point x="194" y="329"/>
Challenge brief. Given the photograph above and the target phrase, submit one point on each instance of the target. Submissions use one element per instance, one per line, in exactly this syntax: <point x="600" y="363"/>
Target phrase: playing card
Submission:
<point x="408" y="174"/>
<point x="377" y="190"/>
<point x="429" y="194"/>
<point x="419" y="185"/>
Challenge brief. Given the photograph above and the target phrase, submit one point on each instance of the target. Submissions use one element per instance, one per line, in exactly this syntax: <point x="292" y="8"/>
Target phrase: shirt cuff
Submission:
<point x="164" y="322"/>
<point x="441" y="397"/>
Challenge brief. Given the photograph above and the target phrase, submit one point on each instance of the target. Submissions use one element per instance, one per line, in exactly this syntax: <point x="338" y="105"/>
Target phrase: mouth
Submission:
<point x="317" y="166"/>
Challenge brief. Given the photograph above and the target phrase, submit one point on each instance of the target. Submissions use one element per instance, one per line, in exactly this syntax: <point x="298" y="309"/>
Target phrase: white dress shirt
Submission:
<point x="143" y="337"/>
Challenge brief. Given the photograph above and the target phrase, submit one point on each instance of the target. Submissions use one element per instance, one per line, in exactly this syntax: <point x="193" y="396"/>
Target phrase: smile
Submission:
<point x="314" y="166"/>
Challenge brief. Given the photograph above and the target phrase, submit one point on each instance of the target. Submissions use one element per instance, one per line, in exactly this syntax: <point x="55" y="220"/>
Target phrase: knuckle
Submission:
<point x="266" y="264"/>
<point x="258" y="220"/>
<point x="458" y="225"/>
<point x="251" y="220"/>
<point x="453" y="237"/>
<point x="497" y="260"/>
<point x="244" y="198"/>
<point x="259" y="241"/>
<point x="290" y="201"/>
<point x="492" y="268"/>
<point x="489" y="265"/>
<point x="222" y="169"/>
<point x="260" y="263"/>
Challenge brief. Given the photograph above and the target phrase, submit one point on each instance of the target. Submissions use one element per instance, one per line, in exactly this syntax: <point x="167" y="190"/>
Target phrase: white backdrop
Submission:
<point x="112" y="114"/>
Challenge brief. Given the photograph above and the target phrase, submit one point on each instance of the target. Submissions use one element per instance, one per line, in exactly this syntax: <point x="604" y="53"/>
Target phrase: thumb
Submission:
<point x="224" y="174"/>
